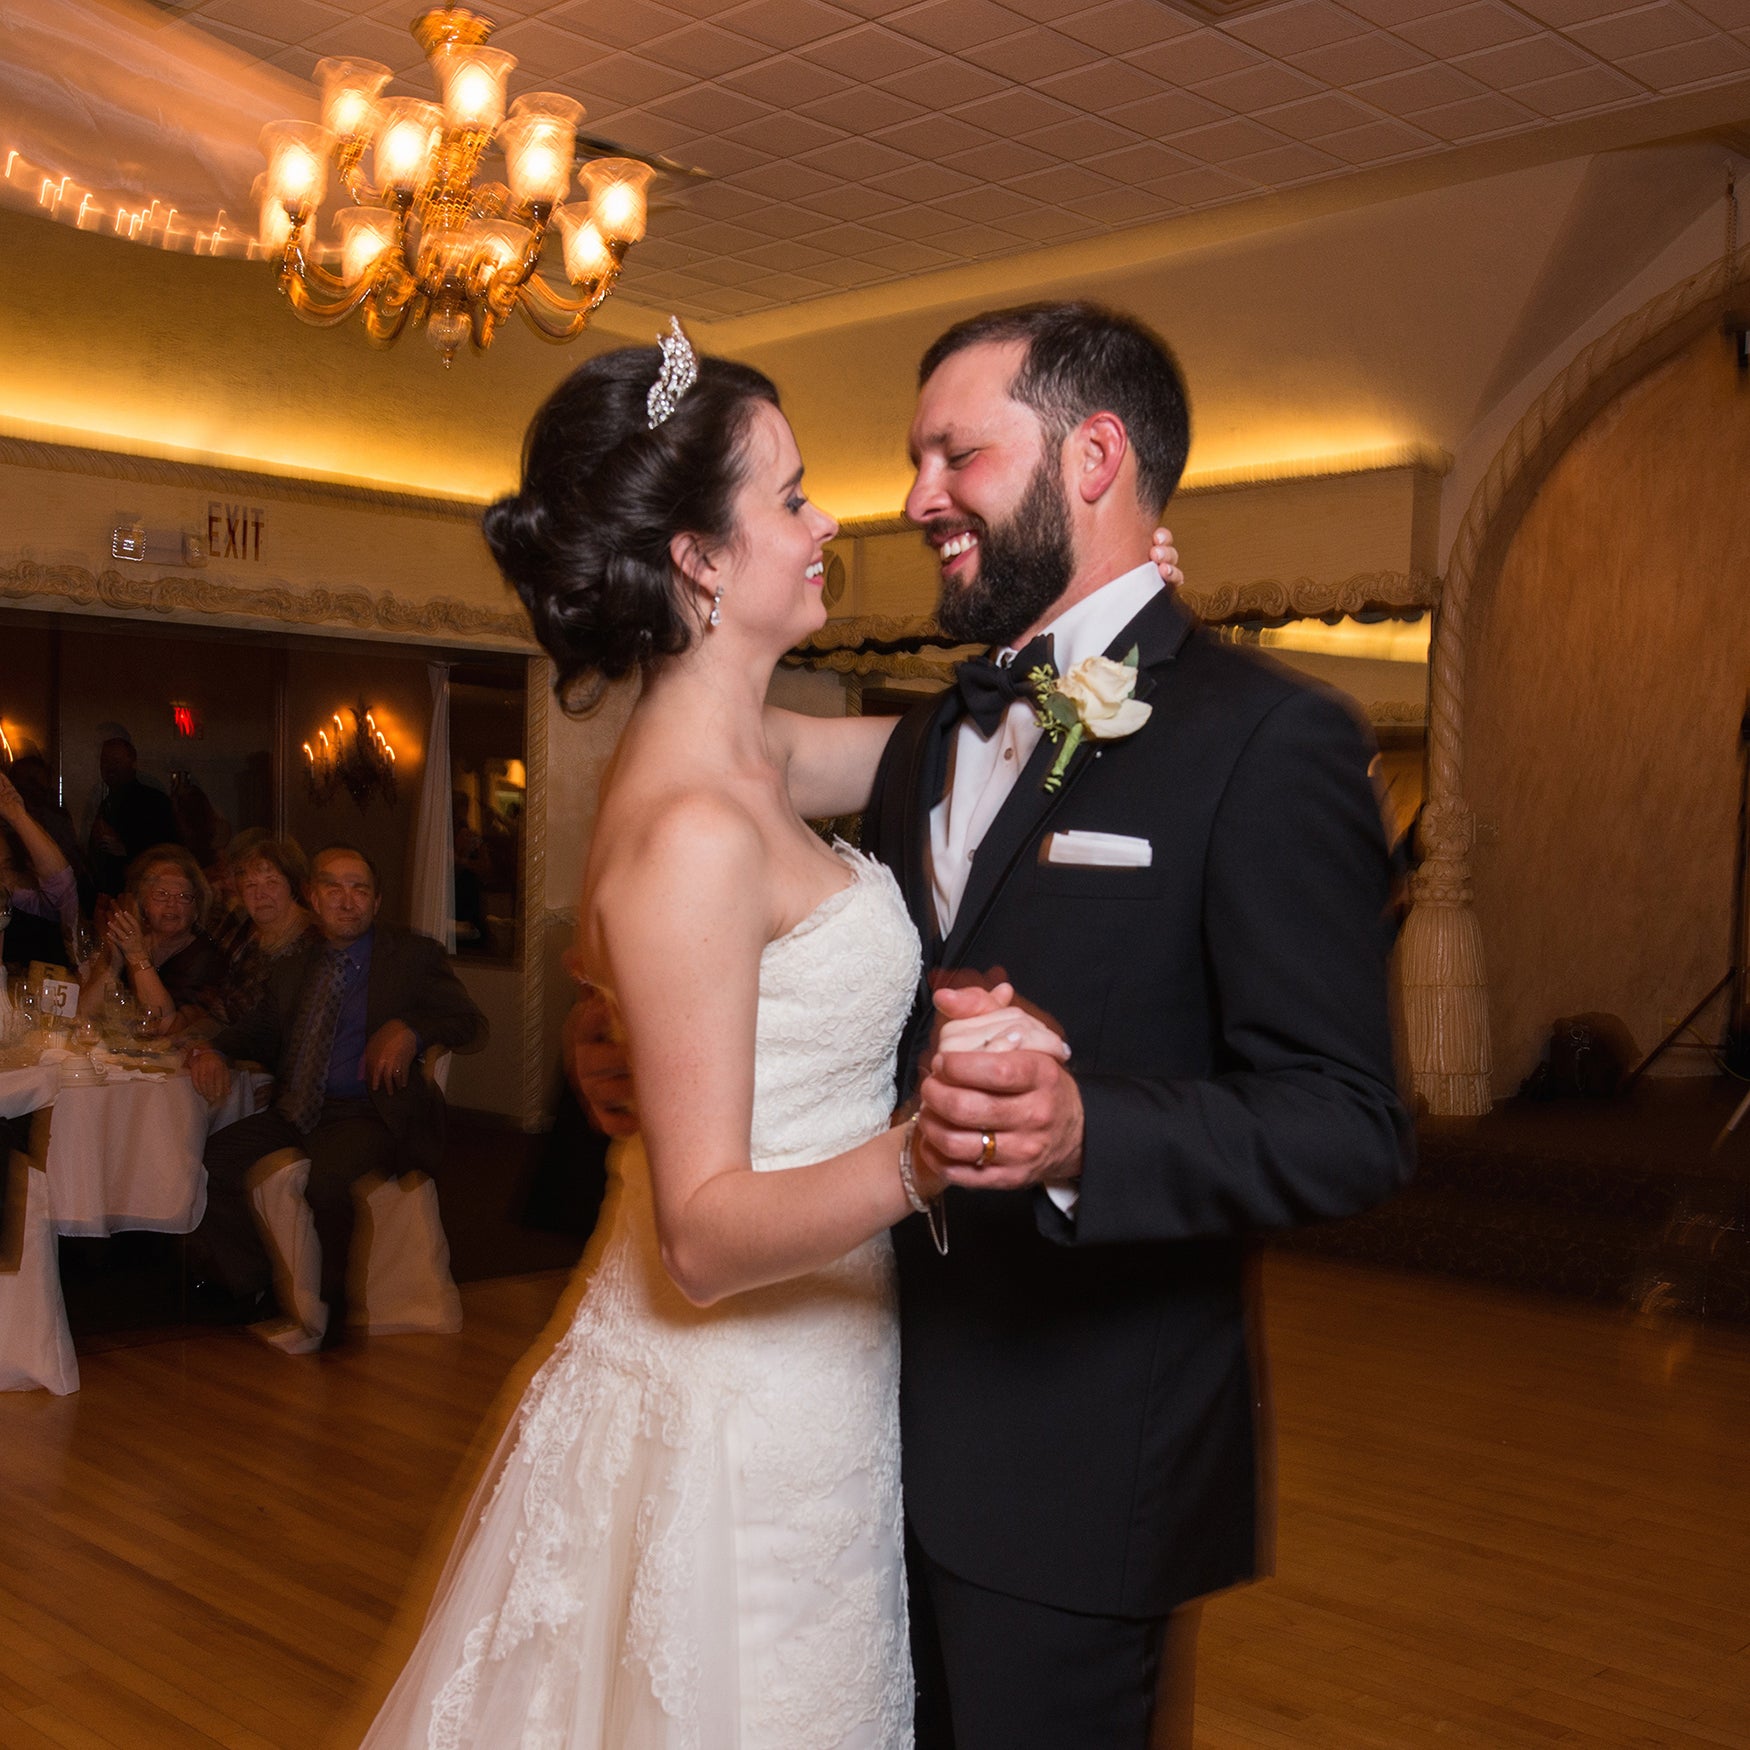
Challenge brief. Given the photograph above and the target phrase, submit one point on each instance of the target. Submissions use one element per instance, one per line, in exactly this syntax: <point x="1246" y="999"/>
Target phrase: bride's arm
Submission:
<point x="829" y="762"/>
<point x="682" y="924"/>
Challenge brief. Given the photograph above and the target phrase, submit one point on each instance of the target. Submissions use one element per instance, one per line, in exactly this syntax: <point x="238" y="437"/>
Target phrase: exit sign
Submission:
<point x="186" y="721"/>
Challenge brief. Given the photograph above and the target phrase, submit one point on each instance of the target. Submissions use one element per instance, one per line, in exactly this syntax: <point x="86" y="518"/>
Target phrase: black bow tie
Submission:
<point x="990" y="688"/>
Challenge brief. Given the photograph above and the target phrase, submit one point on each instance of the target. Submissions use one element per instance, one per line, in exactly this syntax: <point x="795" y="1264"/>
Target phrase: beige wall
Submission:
<point x="1607" y="680"/>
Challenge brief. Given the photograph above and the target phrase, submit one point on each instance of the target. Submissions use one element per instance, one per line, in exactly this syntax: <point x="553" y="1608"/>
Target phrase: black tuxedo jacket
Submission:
<point x="411" y="980"/>
<point x="1078" y="1400"/>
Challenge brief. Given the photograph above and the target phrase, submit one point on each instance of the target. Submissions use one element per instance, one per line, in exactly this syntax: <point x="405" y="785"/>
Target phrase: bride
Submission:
<point x="694" y="1537"/>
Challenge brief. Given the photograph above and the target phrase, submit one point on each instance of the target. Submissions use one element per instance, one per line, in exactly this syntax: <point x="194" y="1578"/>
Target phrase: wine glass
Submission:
<point x="81" y="943"/>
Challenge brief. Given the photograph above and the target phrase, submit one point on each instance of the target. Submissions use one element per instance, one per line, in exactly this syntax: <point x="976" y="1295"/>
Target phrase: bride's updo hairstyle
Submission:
<point x="585" y="539"/>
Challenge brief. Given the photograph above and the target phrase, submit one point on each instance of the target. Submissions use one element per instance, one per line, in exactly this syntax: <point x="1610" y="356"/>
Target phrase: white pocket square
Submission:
<point x="1099" y="850"/>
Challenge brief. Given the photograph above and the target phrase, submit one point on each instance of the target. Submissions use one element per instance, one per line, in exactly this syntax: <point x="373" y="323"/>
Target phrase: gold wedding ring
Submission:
<point x="988" y="1152"/>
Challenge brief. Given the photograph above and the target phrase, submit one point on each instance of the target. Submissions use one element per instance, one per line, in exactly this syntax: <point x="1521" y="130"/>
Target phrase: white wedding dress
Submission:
<point x="694" y="1539"/>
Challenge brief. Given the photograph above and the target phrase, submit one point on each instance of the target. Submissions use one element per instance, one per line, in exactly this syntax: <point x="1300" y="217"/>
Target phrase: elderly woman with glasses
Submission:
<point x="268" y="876"/>
<point x="174" y="968"/>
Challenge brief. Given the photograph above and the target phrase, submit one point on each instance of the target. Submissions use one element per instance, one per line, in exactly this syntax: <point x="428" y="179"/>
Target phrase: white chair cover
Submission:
<point x="35" y="1347"/>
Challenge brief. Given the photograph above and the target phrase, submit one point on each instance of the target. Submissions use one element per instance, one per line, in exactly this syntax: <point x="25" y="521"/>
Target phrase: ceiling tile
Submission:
<point x="1233" y="138"/>
<point x="625" y="81"/>
<point x="787" y="81"/>
<point x="1468" y="28"/>
<point x="922" y="182"/>
<point x="913" y="257"/>
<point x="730" y="301"/>
<point x="1000" y="161"/>
<point x="1203" y="187"/>
<point x="1362" y="57"/>
<point x="788" y="288"/>
<point x="1420" y="88"/>
<point x="1045" y="11"/>
<point x="1539" y="57"/>
<point x="1293" y="29"/>
<point x="1559" y="14"/>
<point x="849" y="275"/>
<point x="785" y="136"/>
<point x="1727" y="14"/>
<point x="724" y="239"/>
<point x="283" y="23"/>
<point x="935" y="136"/>
<point x="945" y="84"/>
<point x="1392" y="13"/>
<point x="1490" y="113"/>
<point x="786" y="24"/>
<point x="1314" y="117"/>
<point x="708" y="109"/>
<point x="1282" y="165"/>
<point x="857" y="240"/>
<point x="863" y="109"/>
<point x="1101" y="86"/>
<point x="1017" y="112"/>
<point x="916" y="223"/>
<point x="1571" y="93"/>
<point x="1140" y="163"/>
<point x="1122" y="206"/>
<point x="1169" y="113"/>
<point x="783" y="219"/>
<point x="1031" y="55"/>
<point x="376" y="40"/>
<point x="1083" y="138"/>
<point x="851" y="200"/>
<point x="953" y="25"/>
<point x="1375" y="142"/>
<point x="869" y="52"/>
<point x="1638" y="32"/>
<point x="1057" y="225"/>
<point x="720" y="271"/>
<point x="984" y="206"/>
<point x="538" y="44"/>
<point x="705" y="49"/>
<point x="721" y="200"/>
<point x="786" y="257"/>
<point x="644" y="132"/>
<point x="624" y="23"/>
<point x="784" y="181"/>
<point x="1719" y="57"/>
<point x="858" y="160"/>
<point x="1254" y="88"/>
<point x="1189" y="60"/>
<point x="725" y="157"/>
<point x="1122" y="25"/>
<point x="1063" y="184"/>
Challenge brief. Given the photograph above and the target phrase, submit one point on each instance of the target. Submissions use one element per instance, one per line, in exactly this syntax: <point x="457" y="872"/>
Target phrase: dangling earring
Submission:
<point x="717" y="607"/>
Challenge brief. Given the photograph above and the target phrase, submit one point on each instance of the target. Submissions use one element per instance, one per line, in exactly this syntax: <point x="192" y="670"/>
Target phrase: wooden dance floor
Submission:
<point x="1505" y="1521"/>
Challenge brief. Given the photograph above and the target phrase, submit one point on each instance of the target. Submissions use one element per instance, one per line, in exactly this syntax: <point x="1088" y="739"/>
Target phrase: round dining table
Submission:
<point x="121" y="1153"/>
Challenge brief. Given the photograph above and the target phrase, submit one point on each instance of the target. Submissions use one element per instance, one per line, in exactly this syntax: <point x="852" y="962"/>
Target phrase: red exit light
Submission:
<point x="186" y="721"/>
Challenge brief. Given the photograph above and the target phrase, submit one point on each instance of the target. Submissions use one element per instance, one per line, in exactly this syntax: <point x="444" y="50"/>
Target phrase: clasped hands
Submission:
<point x="387" y="1063"/>
<point x="998" y="1110"/>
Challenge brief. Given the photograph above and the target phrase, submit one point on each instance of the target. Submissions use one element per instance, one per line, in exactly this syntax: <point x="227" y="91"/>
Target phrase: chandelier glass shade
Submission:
<point x="424" y="239"/>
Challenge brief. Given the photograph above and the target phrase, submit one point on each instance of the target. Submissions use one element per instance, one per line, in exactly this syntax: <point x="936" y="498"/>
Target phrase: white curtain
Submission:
<point x="434" y="843"/>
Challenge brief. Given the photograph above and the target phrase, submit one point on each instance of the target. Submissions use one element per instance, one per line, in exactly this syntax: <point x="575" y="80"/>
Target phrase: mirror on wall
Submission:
<point x="488" y="794"/>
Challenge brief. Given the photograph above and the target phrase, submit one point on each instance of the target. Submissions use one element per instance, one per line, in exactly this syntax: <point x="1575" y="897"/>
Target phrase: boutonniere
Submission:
<point x="1094" y="698"/>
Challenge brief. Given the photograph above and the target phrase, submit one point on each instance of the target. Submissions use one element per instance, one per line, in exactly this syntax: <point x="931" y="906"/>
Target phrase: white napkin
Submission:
<point x="1099" y="850"/>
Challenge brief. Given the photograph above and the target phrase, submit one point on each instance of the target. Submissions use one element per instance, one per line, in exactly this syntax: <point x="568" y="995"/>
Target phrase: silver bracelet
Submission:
<point x="932" y="1212"/>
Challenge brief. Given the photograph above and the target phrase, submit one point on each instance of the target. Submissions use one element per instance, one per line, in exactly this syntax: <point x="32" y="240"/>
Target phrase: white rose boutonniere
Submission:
<point x="1094" y="698"/>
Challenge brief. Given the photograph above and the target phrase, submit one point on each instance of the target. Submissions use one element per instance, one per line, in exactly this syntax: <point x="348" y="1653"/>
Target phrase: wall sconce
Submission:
<point x="358" y="760"/>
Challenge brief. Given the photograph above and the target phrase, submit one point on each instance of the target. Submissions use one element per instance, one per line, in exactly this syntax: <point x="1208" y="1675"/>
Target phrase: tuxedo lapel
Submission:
<point x="1157" y="632"/>
<point x="924" y="780"/>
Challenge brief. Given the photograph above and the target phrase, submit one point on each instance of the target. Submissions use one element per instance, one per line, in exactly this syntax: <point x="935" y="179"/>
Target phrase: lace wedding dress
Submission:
<point x="694" y="1541"/>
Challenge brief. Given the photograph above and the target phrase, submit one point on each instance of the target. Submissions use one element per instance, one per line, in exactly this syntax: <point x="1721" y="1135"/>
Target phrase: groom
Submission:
<point x="1078" y="1402"/>
<point x="1078" y="1399"/>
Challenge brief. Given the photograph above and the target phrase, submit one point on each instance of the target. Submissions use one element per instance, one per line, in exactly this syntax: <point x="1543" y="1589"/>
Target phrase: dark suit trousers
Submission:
<point x="1001" y="1673"/>
<point x="349" y="1141"/>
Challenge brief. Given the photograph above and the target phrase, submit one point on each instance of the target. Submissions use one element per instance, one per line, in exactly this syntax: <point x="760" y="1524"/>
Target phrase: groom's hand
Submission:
<point x="1026" y="1101"/>
<point x="597" y="1065"/>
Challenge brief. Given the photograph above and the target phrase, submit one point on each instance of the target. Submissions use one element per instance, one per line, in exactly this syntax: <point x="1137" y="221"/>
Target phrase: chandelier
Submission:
<point x="426" y="242"/>
<point x="361" y="761"/>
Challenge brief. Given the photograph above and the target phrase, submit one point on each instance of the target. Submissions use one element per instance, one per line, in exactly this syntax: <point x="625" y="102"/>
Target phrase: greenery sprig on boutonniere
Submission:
<point x="1094" y="698"/>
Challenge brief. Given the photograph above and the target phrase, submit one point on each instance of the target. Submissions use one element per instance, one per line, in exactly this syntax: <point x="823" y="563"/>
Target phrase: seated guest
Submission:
<point x="42" y="891"/>
<point x="227" y="920"/>
<point x="342" y="1022"/>
<point x="35" y="782"/>
<point x="267" y="877"/>
<point x="157" y="947"/>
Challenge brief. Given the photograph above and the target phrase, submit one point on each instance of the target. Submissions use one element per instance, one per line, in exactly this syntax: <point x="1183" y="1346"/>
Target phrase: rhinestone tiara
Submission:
<point x="680" y="371"/>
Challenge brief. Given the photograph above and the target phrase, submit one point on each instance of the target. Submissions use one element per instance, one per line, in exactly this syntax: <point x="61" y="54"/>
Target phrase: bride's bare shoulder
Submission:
<point x="685" y="845"/>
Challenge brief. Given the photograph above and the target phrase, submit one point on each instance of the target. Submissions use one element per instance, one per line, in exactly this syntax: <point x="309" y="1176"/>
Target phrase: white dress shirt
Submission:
<point x="982" y="769"/>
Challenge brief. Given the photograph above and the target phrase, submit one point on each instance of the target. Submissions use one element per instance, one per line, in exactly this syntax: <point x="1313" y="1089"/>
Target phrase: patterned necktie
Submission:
<point x="989" y="688"/>
<point x="306" y="1078"/>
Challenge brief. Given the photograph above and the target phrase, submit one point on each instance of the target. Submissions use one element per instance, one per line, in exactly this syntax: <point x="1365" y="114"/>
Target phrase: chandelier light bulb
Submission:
<point x="407" y="136"/>
<point x="297" y="164"/>
<point x="540" y="141"/>
<point x="349" y="95"/>
<point x="367" y="234"/>
<point x="587" y="256"/>
<point x="274" y="228"/>
<point x="617" y="200"/>
<point x="473" y="81"/>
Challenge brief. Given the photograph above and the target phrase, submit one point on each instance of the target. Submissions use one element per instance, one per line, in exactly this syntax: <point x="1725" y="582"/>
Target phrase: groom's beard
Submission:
<point x="1024" y="566"/>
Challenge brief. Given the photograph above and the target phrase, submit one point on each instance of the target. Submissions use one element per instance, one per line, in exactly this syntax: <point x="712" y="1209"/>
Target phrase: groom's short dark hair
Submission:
<point x="1082" y="359"/>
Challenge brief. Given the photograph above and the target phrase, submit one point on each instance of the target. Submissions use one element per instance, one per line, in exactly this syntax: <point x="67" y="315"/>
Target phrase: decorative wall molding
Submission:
<point x="532" y="911"/>
<point x="233" y="482"/>
<point x="1446" y="993"/>
<point x="440" y="620"/>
